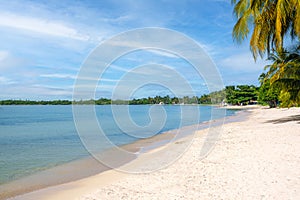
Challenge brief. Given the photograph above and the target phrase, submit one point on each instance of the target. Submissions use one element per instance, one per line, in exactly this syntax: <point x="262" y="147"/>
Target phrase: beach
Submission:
<point x="257" y="158"/>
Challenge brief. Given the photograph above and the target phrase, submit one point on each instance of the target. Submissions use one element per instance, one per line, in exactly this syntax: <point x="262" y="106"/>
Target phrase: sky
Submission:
<point x="45" y="44"/>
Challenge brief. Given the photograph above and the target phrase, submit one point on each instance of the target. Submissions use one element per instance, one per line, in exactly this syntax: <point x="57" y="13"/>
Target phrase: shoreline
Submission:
<point x="245" y="107"/>
<point x="255" y="158"/>
<point x="89" y="166"/>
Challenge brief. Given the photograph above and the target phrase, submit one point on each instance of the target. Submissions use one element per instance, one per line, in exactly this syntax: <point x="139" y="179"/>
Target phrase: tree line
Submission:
<point x="235" y="95"/>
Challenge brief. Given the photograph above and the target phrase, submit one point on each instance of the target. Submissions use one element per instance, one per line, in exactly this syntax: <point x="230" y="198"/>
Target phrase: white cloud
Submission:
<point x="108" y="80"/>
<point x="115" y="67"/>
<point x="63" y="76"/>
<point x="162" y="53"/>
<point x="209" y="49"/>
<point x="242" y="62"/>
<point x="8" y="61"/>
<point x="146" y="75"/>
<point x="51" y="86"/>
<point x="6" y="81"/>
<point x="47" y="90"/>
<point x="3" y="55"/>
<point x="116" y="20"/>
<point x="42" y="26"/>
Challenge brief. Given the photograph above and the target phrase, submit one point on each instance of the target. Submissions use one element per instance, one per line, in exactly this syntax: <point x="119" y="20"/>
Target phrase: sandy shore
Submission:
<point x="258" y="158"/>
<point x="246" y="107"/>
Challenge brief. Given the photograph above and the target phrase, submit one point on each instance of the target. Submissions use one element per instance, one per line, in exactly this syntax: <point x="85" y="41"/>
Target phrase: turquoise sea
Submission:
<point x="37" y="137"/>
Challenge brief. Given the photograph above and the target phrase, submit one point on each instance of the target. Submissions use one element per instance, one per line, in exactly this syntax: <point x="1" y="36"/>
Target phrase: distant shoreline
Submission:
<point x="86" y="102"/>
<point x="246" y="107"/>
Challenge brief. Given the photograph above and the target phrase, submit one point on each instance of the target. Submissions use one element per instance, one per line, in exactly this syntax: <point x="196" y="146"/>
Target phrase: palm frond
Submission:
<point x="241" y="29"/>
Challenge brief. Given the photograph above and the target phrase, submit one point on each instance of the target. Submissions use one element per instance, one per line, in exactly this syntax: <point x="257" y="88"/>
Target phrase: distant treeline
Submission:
<point x="236" y="95"/>
<point x="29" y="102"/>
<point x="105" y="101"/>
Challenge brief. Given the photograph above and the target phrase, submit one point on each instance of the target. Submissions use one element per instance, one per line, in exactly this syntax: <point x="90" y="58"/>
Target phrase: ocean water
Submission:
<point x="38" y="137"/>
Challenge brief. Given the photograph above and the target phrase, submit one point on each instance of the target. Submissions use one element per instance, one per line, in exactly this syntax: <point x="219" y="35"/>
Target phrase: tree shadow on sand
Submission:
<point x="285" y="119"/>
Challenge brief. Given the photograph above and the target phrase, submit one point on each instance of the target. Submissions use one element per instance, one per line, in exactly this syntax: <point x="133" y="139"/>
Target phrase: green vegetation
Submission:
<point x="104" y="101"/>
<point x="241" y="94"/>
<point x="284" y="75"/>
<point x="272" y="22"/>
<point x="28" y="102"/>
<point x="236" y="95"/>
<point x="268" y="94"/>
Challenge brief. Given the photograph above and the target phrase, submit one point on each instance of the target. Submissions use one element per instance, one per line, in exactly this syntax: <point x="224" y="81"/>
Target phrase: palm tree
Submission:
<point x="272" y="20"/>
<point x="284" y="73"/>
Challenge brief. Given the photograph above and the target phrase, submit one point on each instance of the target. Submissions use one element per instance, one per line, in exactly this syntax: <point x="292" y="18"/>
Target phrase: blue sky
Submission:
<point x="44" y="43"/>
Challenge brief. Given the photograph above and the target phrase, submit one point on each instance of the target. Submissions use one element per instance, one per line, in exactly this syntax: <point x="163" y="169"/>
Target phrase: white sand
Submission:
<point x="253" y="159"/>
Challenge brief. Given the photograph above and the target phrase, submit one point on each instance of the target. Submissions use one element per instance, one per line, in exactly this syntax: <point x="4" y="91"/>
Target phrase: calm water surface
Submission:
<point x="34" y="138"/>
